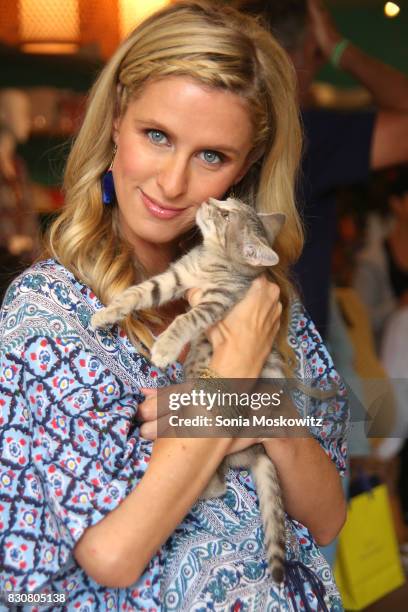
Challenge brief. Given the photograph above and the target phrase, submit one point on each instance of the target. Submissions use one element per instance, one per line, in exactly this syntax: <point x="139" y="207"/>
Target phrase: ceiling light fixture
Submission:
<point x="391" y="9"/>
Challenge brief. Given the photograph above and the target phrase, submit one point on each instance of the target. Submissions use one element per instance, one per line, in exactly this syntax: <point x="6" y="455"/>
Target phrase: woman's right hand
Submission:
<point x="243" y="340"/>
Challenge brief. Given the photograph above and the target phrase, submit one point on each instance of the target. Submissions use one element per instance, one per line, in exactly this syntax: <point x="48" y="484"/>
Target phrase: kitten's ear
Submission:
<point x="256" y="253"/>
<point x="273" y="223"/>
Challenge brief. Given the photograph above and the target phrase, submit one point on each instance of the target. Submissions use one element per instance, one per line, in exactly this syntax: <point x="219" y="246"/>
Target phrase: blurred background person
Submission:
<point x="381" y="279"/>
<point x="18" y="221"/>
<point x="381" y="276"/>
<point x="341" y="147"/>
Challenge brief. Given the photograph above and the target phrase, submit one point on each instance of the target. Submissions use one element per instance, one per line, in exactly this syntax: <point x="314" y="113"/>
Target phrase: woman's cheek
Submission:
<point x="134" y="154"/>
<point x="213" y="188"/>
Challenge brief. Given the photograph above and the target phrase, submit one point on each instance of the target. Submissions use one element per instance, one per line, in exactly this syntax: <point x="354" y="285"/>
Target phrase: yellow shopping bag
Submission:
<point x="367" y="564"/>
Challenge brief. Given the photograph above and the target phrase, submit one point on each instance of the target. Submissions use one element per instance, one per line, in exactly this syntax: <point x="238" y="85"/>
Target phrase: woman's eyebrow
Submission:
<point x="154" y="124"/>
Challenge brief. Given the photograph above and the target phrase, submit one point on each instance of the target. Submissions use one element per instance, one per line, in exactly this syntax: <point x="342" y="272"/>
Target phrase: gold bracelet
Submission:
<point x="208" y="373"/>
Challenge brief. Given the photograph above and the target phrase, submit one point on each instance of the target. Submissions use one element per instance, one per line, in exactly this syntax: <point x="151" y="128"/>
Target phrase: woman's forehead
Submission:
<point x="187" y="107"/>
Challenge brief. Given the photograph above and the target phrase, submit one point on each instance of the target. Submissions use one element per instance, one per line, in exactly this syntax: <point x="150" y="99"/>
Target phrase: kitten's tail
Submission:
<point x="117" y="309"/>
<point x="272" y="513"/>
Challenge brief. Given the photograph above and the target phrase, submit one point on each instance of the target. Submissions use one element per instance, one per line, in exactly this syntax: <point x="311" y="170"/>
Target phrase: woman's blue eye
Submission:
<point x="211" y="157"/>
<point x="156" y="136"/>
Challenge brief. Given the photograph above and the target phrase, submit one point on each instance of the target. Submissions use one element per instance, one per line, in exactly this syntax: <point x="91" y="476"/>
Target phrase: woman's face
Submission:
<point x="178" y="143"/>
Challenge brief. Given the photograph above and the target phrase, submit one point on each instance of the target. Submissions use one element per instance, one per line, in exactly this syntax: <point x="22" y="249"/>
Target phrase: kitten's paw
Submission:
<point x="102" y="318"/>
<point x="160" y="356"/>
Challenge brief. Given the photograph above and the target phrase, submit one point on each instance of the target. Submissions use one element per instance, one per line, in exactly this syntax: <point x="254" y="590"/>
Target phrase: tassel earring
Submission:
<point x="108" y="186"/>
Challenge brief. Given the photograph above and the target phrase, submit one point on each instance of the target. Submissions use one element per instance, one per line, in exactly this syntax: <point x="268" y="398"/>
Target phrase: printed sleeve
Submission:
<point x="317" y="371"/>
<point x="69" y="452"/>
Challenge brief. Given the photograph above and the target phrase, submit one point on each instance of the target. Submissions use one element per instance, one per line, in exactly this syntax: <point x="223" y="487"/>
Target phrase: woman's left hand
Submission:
<point x="154" y="422"/>
<point x="147" y="413"/>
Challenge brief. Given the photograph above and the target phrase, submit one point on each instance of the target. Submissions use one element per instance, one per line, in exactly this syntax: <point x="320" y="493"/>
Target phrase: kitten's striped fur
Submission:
<point x="235" y="250"/>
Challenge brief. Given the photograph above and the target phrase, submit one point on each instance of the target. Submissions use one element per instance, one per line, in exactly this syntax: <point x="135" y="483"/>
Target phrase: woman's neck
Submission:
<point x="155" y="258"/>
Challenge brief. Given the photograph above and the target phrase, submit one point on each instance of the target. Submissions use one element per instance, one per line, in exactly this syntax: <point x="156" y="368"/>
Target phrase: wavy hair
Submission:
<point x="218" y="47"/>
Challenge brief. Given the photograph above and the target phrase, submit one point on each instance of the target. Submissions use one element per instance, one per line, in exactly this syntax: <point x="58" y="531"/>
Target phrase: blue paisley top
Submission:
<point x="70" y="452"/>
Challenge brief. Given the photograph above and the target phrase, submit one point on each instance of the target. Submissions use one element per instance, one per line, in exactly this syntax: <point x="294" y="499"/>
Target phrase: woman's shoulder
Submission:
<point x="48" y="290"/>
<point x="45" y="300"/>
<point x="50" y="280"/>
<point x="47" y="305"/>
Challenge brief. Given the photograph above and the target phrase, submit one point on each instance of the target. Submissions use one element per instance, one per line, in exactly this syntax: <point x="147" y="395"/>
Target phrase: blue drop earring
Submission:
<point x="108" y="186"/>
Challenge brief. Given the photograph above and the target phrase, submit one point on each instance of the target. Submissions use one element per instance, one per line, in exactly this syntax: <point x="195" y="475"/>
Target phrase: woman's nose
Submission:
<point x="173" y="176"/>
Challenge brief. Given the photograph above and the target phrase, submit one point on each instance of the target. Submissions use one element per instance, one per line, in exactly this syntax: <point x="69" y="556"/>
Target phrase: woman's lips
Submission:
<point x="158" y="211"/>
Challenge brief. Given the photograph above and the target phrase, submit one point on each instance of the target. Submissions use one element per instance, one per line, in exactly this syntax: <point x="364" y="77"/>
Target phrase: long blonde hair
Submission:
<point x="220" y="48"/>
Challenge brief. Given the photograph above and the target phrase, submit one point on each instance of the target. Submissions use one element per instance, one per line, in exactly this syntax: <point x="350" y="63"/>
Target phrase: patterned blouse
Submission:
<point x="70" y="452"/>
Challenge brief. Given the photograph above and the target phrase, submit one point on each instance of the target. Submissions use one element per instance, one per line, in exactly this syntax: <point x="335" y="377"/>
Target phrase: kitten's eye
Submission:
<point x="225" y="214"/>
<point x="156" y="136"/>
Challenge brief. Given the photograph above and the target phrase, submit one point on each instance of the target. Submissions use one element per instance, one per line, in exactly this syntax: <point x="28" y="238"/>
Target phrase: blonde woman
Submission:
<point x="96" y="513"/>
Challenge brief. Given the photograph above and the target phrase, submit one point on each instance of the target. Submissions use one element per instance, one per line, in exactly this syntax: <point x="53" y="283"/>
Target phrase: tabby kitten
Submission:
<point x="235" y="250"/>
